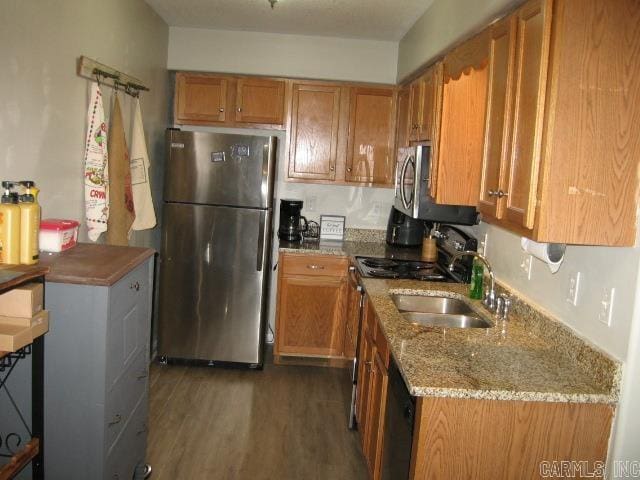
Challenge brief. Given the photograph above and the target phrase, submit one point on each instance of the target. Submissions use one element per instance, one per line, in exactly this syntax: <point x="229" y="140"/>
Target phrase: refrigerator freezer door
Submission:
<point x="220" y="169"/>
<point x="213" y="283"/>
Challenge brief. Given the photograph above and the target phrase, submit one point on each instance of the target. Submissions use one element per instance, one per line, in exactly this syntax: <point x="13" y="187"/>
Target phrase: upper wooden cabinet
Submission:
<point x="342" y="134"/>
<point x="403" y="122"/>
<point x="370" y="149"/>
<point x="499" y="110"/>
<point x="313" y="142"/>
<point x="260" y="100"/>
<point x="560" y="164"/>
<point x="212" y="99"/>
<point x="460" y="148"/>
<point x="200" y="98"/>
<point x="426" y="97"/>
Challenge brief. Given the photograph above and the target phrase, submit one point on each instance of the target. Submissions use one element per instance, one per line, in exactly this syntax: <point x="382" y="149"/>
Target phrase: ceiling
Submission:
<point x="364" y="19"/>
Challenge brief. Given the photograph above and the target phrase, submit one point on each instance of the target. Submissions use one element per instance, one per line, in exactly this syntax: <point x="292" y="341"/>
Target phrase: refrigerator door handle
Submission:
<point x="261" y="238"/>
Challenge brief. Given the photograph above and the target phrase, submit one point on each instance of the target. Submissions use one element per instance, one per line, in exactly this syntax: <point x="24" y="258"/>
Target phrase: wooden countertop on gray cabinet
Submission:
<point x="97" y="362"/>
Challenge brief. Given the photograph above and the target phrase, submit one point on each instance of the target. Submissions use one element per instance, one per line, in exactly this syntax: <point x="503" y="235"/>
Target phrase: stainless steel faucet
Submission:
<point x="490" y="298"/>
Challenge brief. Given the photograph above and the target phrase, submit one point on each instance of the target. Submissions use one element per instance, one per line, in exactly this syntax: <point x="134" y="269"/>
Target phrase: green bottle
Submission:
<point x="477" y="277"/>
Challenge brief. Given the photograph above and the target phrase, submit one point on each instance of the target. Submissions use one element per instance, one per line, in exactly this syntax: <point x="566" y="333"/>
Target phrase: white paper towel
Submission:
<point x="550" y="253"/>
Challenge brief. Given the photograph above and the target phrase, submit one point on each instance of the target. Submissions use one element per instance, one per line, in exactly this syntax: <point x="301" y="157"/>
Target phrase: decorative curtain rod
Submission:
<point x="105" y="75"/>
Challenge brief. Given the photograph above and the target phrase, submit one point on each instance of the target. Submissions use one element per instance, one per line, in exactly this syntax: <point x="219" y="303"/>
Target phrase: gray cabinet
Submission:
<point x="96" y="376"/>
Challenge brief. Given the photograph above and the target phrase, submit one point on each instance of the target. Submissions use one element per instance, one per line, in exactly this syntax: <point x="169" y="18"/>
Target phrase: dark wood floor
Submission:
<point x="282" y="423"/>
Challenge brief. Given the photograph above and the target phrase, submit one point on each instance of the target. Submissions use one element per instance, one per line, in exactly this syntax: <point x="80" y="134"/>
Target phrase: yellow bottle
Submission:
<point x="29" y="226"/>
<point x="9" y="227"/>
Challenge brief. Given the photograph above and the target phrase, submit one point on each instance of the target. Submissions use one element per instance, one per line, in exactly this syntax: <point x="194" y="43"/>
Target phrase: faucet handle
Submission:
<point x="504" y="300"/>
<point x="490" y="298"/>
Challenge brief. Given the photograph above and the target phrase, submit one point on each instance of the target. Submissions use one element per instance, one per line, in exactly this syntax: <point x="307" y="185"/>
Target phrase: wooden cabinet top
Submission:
<point x="14" y="275"/>
<point x="89" y="264"/>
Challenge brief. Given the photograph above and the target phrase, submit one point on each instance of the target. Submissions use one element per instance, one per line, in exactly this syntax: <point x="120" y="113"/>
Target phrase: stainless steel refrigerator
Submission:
<point x="216" y="248"/>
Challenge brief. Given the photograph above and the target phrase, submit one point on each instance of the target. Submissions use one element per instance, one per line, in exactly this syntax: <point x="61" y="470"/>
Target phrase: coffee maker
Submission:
<point x="404" y="231"/>
<point x="292" y="224"/>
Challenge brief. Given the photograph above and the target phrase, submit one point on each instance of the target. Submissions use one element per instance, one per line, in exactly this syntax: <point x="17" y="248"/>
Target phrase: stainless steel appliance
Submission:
<point x="413" y="190"/>
<point x="404" y="231"/>
<point x="216" y="247"/>
<point x="398" y="431"/>
<point x="354" y="284"/>
<point x="292" y="224"/>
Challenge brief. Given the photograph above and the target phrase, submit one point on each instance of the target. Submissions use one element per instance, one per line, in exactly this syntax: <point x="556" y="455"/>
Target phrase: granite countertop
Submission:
<point x="531" y="357"/>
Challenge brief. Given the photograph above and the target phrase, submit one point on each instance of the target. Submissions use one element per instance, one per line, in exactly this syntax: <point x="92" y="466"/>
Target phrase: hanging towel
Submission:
<point x="96" y="167"/>
<point x="121" y="212"/>
<point x="140" y="183"/>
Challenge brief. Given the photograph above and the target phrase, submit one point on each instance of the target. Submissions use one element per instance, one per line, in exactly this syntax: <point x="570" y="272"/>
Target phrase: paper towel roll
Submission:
<point x="550" y="253"/>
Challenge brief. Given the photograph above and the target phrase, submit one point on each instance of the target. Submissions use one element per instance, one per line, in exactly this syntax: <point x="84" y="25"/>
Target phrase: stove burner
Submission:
<point x="379" y="263"/>
<point x="381" y="273"/>
<point x="431" y="276"/>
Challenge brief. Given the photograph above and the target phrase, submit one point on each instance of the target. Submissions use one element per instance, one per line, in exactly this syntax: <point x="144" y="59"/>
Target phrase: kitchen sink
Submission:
<point x="446" y="320"/>
<point x="420" y="303"/>
<point x="438" y="312"/>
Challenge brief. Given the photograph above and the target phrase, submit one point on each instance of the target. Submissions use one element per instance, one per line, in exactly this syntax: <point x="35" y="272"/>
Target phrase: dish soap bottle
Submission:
<point x="477" y="278"/>
<point x="9" y="226"/>
<point x="29" y="225"/>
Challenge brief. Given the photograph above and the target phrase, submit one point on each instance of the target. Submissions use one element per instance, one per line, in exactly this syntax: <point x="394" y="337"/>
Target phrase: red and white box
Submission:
<point x="58" y="235"/>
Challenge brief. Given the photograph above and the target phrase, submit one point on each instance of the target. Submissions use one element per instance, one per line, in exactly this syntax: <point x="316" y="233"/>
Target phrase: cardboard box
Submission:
<point x="24" y="301"/>
<point x="25" y="321"/>
<point x="14" y="337"/>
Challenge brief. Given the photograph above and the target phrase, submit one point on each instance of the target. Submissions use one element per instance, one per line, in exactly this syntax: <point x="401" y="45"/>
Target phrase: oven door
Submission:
<point x="411" y="185"/>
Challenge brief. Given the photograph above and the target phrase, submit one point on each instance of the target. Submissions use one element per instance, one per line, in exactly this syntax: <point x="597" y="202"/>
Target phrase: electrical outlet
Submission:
<point x="525" y="266"/>
<point x="310" y="204"/>
<point x="574" y="288"/>
<point x="376" y="211"/>
<point x="606" y="306"/>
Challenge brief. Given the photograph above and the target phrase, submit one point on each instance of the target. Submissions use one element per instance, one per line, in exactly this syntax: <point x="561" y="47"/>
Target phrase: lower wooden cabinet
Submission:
<point x="475" y="438"/>
<point x="372" y="390"/>
<point x="311" y="312"/>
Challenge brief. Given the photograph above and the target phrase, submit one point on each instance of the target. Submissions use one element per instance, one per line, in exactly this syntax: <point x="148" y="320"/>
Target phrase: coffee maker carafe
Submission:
<point x="292" y="224"/>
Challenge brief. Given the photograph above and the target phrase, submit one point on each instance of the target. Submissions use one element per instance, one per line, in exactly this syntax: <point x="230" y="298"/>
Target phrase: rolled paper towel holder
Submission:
<point x="550" y="253"/>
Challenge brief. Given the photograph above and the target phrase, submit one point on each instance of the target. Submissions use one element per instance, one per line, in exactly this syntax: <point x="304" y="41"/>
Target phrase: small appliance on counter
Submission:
<point x="404" y="231"/>
<point x="292" y="224"/>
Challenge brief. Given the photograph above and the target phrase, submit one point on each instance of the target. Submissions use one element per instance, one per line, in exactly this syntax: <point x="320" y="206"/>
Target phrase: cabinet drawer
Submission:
<point x="130" y="448"/>
<point x="328" y="265"/>
<point x="128" y="329"/>
<point x="123" y="397"/>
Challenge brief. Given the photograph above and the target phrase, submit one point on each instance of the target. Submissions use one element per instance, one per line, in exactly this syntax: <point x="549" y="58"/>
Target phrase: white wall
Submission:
<point x="443" y="24"/>
<point x="282" y="55"/>
<point x="43" y="102"/>
<point x="600" y="268"/>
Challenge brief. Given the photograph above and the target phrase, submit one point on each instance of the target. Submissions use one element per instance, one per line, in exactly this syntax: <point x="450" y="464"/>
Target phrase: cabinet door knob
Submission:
<point x="332" y="168"/>
<point x="501" y="194"/>
<point x="316" y="267"/>
<point x="116" y="419"/>
<point x="352" y="268"/>
<point x="135" y="286"/>
<point x="492" y="193"/>
<point x="348" y="169"/>
<point x="221" y="110"/>
<point x="239" y="109"/>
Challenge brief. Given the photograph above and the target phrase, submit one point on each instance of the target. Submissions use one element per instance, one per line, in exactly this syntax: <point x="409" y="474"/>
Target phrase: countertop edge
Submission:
<point x="144" y="254"/>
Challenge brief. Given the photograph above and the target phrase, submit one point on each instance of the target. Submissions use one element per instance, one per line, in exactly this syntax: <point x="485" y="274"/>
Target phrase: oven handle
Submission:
<point x="403" y="197"/>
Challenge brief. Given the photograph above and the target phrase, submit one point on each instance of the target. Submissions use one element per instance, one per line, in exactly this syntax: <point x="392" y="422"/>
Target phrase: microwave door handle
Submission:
<point x="403" y="173"/>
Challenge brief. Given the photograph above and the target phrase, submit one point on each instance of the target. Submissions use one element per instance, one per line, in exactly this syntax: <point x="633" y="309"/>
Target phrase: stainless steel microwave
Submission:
<point x="413" y="190"/>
